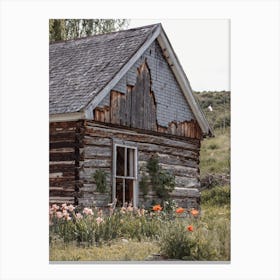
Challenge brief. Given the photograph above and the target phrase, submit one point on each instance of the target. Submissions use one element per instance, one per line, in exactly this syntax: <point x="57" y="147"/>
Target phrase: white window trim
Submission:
<point x="134" y="178"/>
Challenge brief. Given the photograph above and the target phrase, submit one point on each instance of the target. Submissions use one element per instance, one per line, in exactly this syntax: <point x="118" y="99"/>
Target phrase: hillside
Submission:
<point x="215" y="152"/>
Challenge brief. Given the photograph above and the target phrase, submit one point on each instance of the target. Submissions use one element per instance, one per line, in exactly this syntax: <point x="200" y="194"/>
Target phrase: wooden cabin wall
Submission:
<point x="64" y="156"/>
<point x="149" y="97"/>
<point x="137" y="108"/>
<point x="177" y="155"/>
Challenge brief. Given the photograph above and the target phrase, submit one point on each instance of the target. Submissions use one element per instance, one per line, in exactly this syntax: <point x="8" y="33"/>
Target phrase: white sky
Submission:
<point x="202" y="46"/>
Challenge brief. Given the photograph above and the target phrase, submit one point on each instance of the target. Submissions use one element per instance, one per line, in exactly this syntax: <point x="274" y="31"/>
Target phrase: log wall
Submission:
<point x="178" y="155"/>
<point x="78" y="149"/>
<point x="64" y="157"/>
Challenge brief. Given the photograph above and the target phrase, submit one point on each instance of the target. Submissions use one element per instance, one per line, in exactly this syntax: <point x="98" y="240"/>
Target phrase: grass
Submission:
<point x="120" y="250"/>
<point x="215" y="154"/>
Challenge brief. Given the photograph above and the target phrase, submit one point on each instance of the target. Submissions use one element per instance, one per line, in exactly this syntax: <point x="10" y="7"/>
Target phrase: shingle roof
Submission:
<point x="79" y="69"/>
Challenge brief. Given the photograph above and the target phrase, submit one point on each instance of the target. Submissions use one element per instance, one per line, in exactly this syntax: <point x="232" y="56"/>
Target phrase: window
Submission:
<point x="124" y="174"/>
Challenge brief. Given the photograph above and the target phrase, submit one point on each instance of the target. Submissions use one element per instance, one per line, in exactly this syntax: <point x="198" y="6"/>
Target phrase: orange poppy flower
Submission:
<point x="194" y="212"/>
<point x="157" y="208"/>
<point x="180" y="210"/>
<point x="190" y="228"/>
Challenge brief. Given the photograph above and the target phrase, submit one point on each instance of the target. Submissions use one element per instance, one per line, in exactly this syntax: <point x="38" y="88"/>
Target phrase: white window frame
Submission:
<point x="134" y="178"/>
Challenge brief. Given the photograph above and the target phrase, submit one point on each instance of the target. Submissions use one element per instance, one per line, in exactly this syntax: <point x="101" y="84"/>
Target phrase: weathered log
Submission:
<point x="168" y="159"/>
<point x="97" y="151"/>
<point x="62" y="156"/>
<point x="186" y="182"/>
<point x="61" y="168"/>
<point x="93" y="129"/>
<point x="185" y="192"/>
<point x="97" y="163"/>
<point x="97" y="141"/>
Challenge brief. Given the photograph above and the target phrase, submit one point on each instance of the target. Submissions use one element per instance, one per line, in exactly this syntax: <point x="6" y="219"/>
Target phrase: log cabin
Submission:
<point x="117" y="100"/>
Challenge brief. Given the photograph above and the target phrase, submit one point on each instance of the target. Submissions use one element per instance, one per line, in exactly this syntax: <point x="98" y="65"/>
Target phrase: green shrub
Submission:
<point x="176" y="242"/>
<point x="209" y="240"/>
<point x="213" y="146"/>
<point x="144" y="185"/>
<point x="163" y="182"/>
<point x="100" y="180"/>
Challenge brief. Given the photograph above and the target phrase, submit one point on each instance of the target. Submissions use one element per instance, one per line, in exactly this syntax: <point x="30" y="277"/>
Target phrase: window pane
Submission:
<point x="120" y="161"/>
<point x="119" y="191"/>
<point x="130" y="162"/>
<point x="129" y="191"/>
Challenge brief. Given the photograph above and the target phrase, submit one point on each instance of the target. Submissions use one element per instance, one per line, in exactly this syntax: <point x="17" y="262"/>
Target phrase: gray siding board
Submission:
<point x="170" y="100"/>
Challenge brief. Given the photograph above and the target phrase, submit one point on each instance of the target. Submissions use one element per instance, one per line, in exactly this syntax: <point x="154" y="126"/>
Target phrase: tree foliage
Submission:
<point x="65" y="29"/>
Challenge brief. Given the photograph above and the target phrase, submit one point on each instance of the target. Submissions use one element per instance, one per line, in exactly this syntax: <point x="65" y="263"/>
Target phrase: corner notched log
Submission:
<point x="65" y="144"/>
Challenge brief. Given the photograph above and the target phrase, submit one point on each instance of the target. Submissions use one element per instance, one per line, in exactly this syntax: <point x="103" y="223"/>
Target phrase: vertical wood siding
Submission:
<point x="137" y="108"/>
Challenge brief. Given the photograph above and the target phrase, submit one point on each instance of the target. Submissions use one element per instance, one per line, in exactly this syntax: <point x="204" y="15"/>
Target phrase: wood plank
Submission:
<point x="61" y="168"/>
<point x="107" y="114"/>
<point x="128" y="105"/>
<point x="62" y="156"/>
<point x="63" y="136"/>
<point x="185" y="182"/>
<point x="168" y="150"/>
<point x="63" y="150"/>
<point x="95" y="151"/>
<point x="62" y="144"/>
<point x="56" y="126"/>
<point x="62" y="189"/>
<point x="97" y="141"/>
<point x="185" y="192"/>
<point x="97" y="163"/>
<point x="63" y="184"/>
<point x="168" y="159"/>
<point x="130" y="135"/>
<point x="113" y="106"/>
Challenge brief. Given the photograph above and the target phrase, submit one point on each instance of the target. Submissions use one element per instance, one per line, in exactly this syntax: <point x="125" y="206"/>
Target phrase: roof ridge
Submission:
<point x="108" y="33"/>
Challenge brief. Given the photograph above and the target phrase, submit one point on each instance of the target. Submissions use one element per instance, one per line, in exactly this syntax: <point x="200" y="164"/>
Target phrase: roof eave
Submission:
<point x="74" y="116"/>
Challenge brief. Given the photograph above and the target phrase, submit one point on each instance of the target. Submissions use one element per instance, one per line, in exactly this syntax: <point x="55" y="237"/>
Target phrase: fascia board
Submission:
<point x="67" y="117"/>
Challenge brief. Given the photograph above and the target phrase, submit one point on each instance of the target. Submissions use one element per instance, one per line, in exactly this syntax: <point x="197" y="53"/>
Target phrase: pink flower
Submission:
<point x="59" y="214"/>
<point x="55" y="207"/>
<point x="64" y="206"/>
<point x="130" y="208"/>
<point x="123" y="210"/>
<point x="71" y="208"/>
<point x="65" y="213"/>
<point x="88" y="211"/>
<point x="79" y="216"/>
<point x="142" y="211"/>
<point x="99" y="220"/>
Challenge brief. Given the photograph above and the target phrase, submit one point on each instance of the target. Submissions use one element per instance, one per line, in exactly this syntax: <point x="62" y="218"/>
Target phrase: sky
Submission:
<point x="202" y="47"/>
